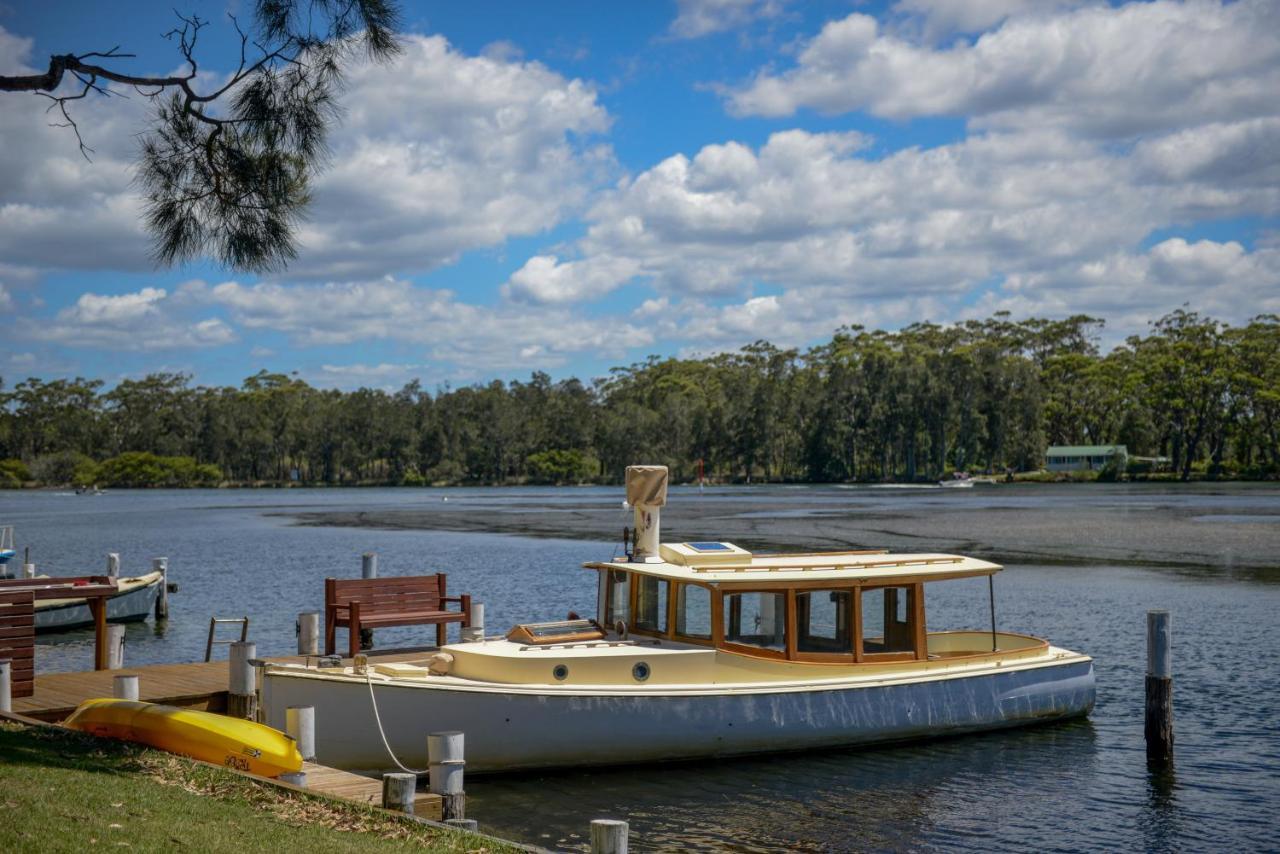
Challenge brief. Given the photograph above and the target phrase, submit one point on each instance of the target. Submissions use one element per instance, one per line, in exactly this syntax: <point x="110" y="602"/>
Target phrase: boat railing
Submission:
<point x="878" y="564"/>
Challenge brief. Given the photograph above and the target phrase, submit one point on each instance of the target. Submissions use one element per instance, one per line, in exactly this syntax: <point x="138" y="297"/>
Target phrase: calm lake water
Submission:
<point x="1080" y="785"/>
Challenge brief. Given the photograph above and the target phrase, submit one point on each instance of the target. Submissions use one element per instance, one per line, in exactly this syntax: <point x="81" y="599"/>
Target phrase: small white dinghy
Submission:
<point x="136" y="600"/>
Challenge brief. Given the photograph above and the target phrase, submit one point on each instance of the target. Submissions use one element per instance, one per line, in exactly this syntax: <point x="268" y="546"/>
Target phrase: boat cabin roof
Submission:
<point x="725" y="563"/>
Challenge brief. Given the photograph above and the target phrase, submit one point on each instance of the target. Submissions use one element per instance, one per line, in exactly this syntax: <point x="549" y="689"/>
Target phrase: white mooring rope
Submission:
<point x="381" y="732"/>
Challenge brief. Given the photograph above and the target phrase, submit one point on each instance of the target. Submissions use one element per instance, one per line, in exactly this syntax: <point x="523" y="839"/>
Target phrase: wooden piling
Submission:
<point x="242" y="694"/>
<point x="309" y="633"/>
<point x="161" y="565"/>
<point x="463" y="824"/>
<point x="446" y="768"/>
<point x="1158" y="728"/>
<point x="397" y="791"/>
<point x="608" y="836"/>
<point x="6" y="686"/>
<point x="115" y="647"/>
<point x="300" y="725"/>
<point x="125" y="687"/>
<point x="113" y="564"/>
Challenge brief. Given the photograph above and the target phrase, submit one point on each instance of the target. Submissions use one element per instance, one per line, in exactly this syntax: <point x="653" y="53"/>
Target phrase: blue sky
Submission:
<point x="572" y="186"/>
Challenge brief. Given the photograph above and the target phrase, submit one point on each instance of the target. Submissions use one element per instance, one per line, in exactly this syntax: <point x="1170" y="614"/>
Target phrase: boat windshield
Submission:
<point x="619" y="599"/>
<point x="756" y="618"/>
<point x="824" y="621"/>
<point x="693" y="612"/>
<point x="651" y="604"/>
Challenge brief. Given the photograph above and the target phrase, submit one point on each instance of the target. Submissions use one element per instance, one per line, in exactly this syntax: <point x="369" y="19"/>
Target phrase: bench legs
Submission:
<point x="330" y="630"/>
<point x="442" y="634"/>
<point x="353" y="630"/>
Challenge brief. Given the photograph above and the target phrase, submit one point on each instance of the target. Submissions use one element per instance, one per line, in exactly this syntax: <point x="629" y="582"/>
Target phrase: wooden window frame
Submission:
<point x="915" y="604"/>
<point x="849" y="657"/>
<point x="678" y="587"/>
<point x="789" y="616"/>
<point x="633" y="589"/>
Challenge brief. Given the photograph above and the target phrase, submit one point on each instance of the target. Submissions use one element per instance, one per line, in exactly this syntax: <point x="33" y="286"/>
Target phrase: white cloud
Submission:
<point x="441" y="153"/>
<point x="936" y="19"/>
<point x="6" y="299"/>
<point x="697" y="18"/>
<point x="544" y="278"/>
<point x="387" y="376"/>
<point x="1098" y="71"/>
<point x="148" y="319"/>
<point x="475" y="340"/>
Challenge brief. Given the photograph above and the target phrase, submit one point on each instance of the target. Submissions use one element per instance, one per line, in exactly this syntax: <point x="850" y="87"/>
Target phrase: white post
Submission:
<point x="6" y="686"/>
<point x="1158" y="716"/>
<point x="608" y="836"/>
<point x="113" y="564"/>
<point x="125" y="687"/>
<point x="463" y="824"/>
<point x="298" y="778"/>
<point x="447" y="765"/>
<point x="161" y="565"/>
<point x="242" y="696"/>
<point x="28" y="570"/>
<point x="369" y="565"/>
<point x="309" y="633"/>
<point x="115" y="647"/>
<point x="300" y="725"/>
<point x="475" y="632"/>
<point x="398" y="790"/>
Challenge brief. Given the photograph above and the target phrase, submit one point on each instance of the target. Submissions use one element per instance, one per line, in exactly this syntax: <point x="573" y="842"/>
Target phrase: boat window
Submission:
<point x="619" y="598"/>
<point x="756" y="619"/>
<point x="887" y="620"/>
<point x="651" y="604"/>
<point x="693" y="611"/>
<point x="824" y="621"/>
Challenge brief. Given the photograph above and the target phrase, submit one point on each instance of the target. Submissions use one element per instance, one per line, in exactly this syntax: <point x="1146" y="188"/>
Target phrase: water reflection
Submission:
<point x="879" y="798"/>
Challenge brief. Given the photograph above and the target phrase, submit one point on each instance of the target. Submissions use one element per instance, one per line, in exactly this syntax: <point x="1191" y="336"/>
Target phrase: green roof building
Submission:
<point x="1084" y="457"/>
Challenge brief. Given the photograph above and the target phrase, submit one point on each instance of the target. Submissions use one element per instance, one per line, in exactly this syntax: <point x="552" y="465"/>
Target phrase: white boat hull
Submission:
<point x="523" y="728"/>
<point x="131" y="606"/>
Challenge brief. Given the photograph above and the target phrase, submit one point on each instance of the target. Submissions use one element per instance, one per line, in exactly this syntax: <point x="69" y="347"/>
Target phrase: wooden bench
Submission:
<point x="410" y="600"/>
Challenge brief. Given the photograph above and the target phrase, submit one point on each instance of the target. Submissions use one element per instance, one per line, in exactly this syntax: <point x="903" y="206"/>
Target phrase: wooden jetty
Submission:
<point x="203" y="686"/>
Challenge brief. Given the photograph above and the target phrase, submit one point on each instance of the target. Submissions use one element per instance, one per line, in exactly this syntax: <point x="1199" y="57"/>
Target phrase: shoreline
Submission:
<point x="1153" y="535"/>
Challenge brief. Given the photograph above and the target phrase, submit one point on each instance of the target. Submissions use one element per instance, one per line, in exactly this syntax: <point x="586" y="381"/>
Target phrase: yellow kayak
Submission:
<point x="243" y="745"/>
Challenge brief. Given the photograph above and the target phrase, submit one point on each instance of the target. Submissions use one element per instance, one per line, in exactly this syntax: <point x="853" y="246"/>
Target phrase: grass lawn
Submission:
<point x="66" y="791"/>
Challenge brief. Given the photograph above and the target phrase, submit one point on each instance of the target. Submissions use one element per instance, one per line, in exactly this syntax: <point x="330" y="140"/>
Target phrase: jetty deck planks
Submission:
<point x="364" y="790"/>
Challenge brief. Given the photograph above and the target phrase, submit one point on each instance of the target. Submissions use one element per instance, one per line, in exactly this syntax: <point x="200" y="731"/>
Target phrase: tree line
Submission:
<point x="868" y="405"/>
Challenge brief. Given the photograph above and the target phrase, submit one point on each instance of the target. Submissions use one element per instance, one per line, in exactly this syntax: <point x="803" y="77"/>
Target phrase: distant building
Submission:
<point x="1084" y="457"/>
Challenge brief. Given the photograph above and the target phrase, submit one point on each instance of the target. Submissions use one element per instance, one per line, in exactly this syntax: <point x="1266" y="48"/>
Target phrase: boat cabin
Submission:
<point x="846" y="607"/>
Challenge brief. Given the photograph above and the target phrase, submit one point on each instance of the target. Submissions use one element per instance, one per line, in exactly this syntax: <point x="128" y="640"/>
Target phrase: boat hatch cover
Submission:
<point x="703" y="553"/>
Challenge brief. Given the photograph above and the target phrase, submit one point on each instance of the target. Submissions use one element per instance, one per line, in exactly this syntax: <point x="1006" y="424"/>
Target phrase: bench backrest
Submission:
<point x="401" y="593"/>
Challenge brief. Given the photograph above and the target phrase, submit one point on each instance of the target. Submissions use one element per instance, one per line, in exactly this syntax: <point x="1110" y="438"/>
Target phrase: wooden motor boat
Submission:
<point x="699" y="649"/>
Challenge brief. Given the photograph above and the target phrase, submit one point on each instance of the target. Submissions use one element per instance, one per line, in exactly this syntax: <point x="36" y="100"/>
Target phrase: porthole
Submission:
<point x="640" y="671"/>
<point x="561" y="672"/>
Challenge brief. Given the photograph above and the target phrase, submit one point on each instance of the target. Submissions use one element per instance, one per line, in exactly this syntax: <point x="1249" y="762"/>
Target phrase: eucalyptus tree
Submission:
<point x="225" y="165"/>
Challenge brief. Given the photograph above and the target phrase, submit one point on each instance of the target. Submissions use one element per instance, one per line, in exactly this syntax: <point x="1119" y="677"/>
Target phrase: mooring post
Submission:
<point x="242" y="694"/>
<point x="113" y="564"/>
<point x="1159" y="717"/>
<point x="447" y="766"/>
<point x="161" y="565"/>
<point x="6" y="686"/>
<point x="368" y="569"/>
<point x="398" y="790"/>
<point x="115" y="647"/>
<point x="28" y="570"/>
<point x="463" y="824"/>
<point x="474" y="632"/>
<point x="125" y="686"/>
<point x="309" y="633"/>
<point x="300" y="725"/>
<point x="297" y="778"/>
<point x="608" y="836"/>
